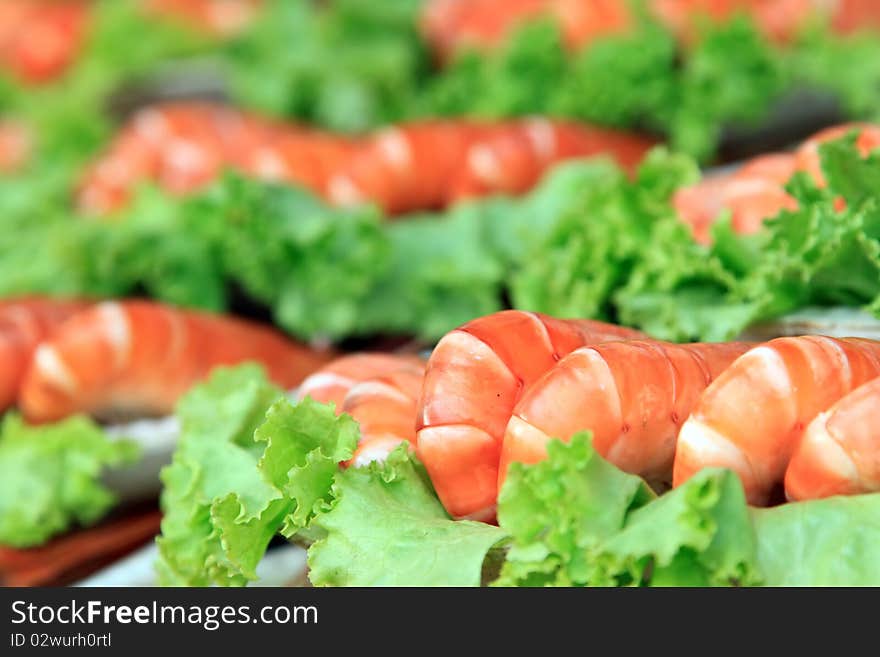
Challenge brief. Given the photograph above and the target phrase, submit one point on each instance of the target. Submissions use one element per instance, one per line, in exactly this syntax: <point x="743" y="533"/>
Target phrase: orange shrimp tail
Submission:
<point x="474" y="378"/>
<point x="137" y="358"/>
<point x="840" y="451"/>
<point x="633" y="397"/>
<point x="752" y="416"/>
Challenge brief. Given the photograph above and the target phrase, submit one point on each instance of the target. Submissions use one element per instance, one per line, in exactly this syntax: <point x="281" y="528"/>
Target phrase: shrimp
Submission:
<point x="15" y="145"/>
<point x="380" y="391"/>
<point x="752" y="416"/>
<point x="839" y="453"/>
<point x="136" y="358"/>
<point x="807" y="156"/>
<point x="40" y="40"/>
<point x="407" y="167"/>
<point x="475" y="377"/>
<point x="24" y="323"/>
<point x="752" y="194"/>
<point x="452" y="26"/>
<point x="431" y="164"/>
<point x="180" y="146"/>
<point x="632" y="395"/>
<point x="513" y="157"/>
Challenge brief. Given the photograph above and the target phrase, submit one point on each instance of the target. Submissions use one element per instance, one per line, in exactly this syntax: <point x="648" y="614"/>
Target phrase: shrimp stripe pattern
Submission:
<point x="136" y="358"/>
<point x="751" y="418"/>
<point x="756" y="191"/>
<point x="474" y="378"/>
<point x="413" y="166"/>
<point x="380" y="391"/>
<point x="633" y="396"/>
<point x="24" y="323"/>
<point x="840" y="451"/>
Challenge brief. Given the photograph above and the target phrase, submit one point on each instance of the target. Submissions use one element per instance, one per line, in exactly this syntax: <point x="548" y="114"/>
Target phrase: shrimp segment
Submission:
<point x="752" y="194"/>
<point x="385" y="407"/>
<point x="24" y="323"/>
<point x="840" y="451"/>
<point x="380" y="391"/>
<point x="475" y="377"/>
<point x="632" y="395"/>
<point x="137" y="358"/>
<point x="752" y="416"/>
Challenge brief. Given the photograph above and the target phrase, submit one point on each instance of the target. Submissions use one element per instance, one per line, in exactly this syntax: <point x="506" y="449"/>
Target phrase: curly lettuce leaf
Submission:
<point x="606" y="225"/>
<point x="559" y="512"/>
<point x="50" y="477"/>
<point x="386" y="527"/>
<point x="248" y="466"/>
<point x="349" y="66"/>
<point x="442" y="273"/>
<point x="830" y="542"/>
<point x="698" y="534"/>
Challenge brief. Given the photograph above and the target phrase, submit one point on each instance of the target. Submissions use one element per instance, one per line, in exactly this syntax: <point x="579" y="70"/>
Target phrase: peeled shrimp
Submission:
<point x="633" y="396"/>
<point x="839" y="453"/>
<point x="752" y="416"/>
<point x="24" y="323"/>
<point x="137" y="358"/>
<point x="380" y="391"/>
<point x="475" y="377"/>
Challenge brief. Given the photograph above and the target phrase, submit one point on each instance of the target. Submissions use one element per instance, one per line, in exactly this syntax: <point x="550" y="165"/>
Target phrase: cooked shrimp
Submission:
<point x="752" y="194"/>
<point x="380" y="391"/>
<point x="511" y="158"/>
<point x="475" y="377"/>
<point x="40" y="40"/>
<point x="24" y="323"/>
<point x="839" y="453"/>
<point x="752" y="416"/>
<point x="15" y="145"/>
<point x="431" y="164"/>
<point x="406" y="167"/>
<point x="333" y="381"/>
<point x="136" y="358"/>
<point x="633" y="396"/>
<point x="807" y="156"/>
<point x="452" y="26"/>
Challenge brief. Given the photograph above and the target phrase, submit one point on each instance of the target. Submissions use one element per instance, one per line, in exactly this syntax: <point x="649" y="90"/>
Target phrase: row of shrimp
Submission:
<point x="452" y="26"/>
<point x="41" y="39"/>
<point x="799" y="413"/>
<point x="414" y="166"/>
<point x="756" y="192"/>
<point x="128" y="359"/>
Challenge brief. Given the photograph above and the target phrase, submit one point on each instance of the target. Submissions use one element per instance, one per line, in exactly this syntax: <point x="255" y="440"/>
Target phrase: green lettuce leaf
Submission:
<point x="248" y="466"/>
<point x="830" y="542"/>
<point x="698" y="534"/>
<point x="50" y="477"/>
<point x="606" y="226"/>
<point x="386" y="527"/>
<point x="559" y="512"/>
